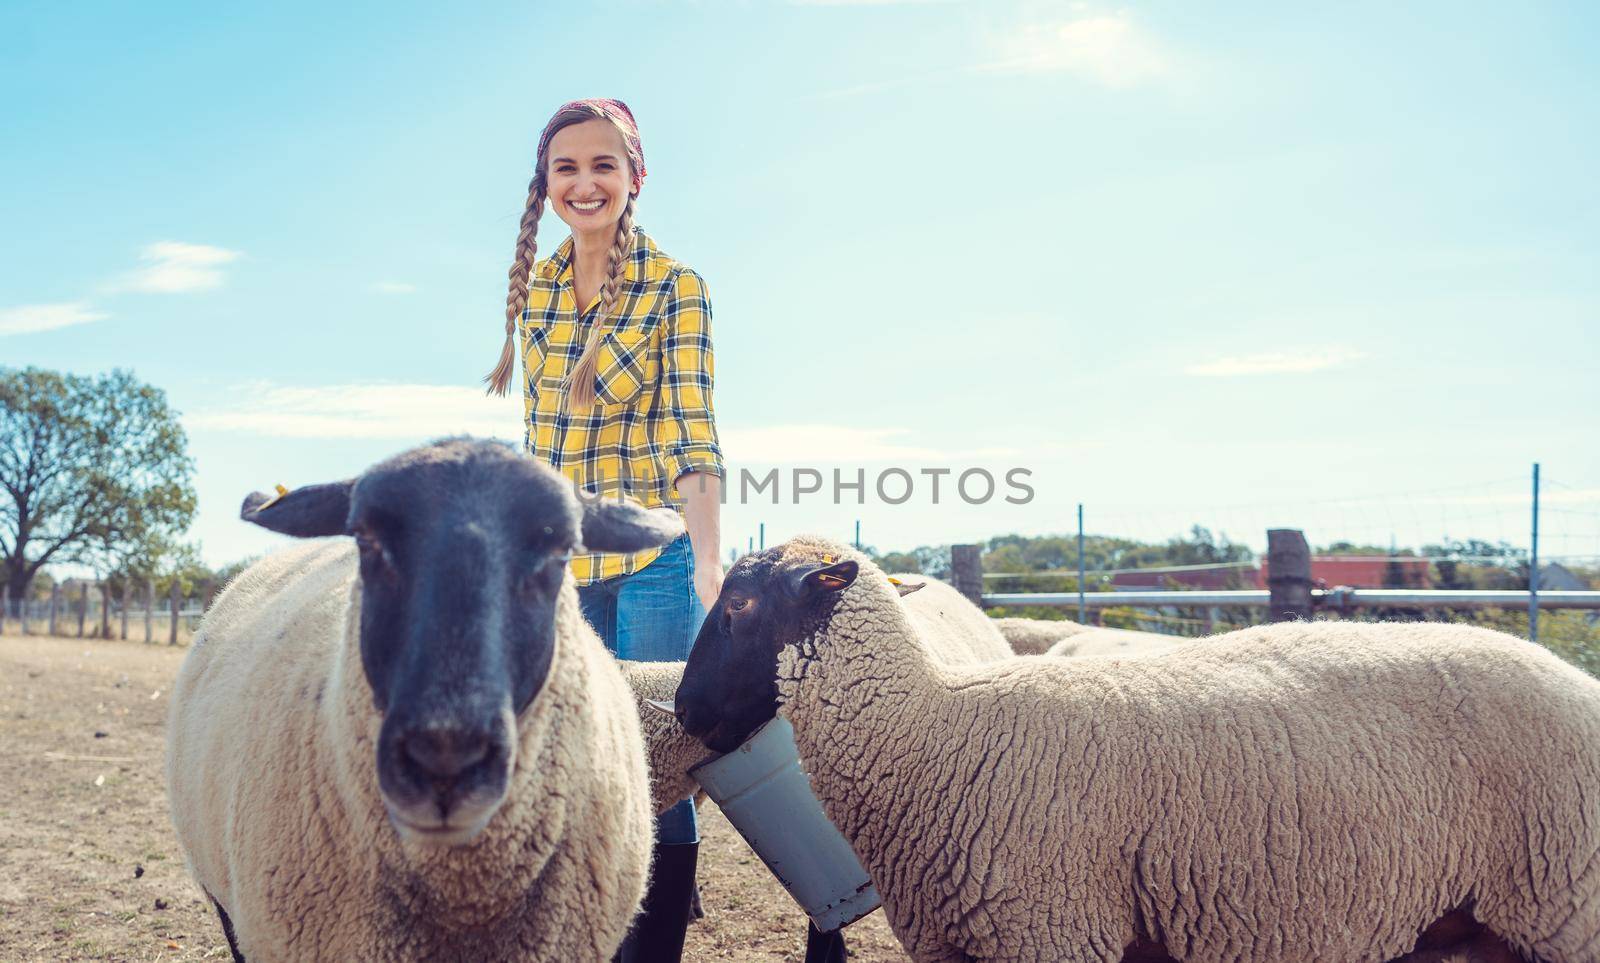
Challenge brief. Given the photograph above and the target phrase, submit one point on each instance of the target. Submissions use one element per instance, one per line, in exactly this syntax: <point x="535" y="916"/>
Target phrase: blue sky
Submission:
<point x="1234" y="264"/>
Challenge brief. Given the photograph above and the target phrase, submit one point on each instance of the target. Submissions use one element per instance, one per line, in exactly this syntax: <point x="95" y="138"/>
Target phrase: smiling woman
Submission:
<point x="617" y="375"/>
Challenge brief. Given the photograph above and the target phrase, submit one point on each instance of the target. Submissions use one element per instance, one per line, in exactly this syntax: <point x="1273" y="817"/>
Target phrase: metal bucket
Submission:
<point x="767" y="796"/>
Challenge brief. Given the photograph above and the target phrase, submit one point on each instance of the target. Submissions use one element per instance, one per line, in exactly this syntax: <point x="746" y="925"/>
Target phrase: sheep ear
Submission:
<point x="623" y="525"/>
<point x="905" y="589"/>
<point x="309" y="512"/>
<point x="830" y="578"/>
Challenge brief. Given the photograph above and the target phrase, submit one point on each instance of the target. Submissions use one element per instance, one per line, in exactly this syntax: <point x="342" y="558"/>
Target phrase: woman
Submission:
<point x="617" y="396"/>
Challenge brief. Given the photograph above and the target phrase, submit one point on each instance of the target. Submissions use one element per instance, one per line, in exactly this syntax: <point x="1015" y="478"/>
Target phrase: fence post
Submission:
<point x="1288" y="575"/>
<point x="83" y="606"/>
<point x="105" y="610"/>
<point x="172" y="632"/>
<point x="966" y="572"/>
<point x="55" y="605"/>
<point x="149" y="609"/>
<point x="5" y="606"/>
<point x="127" y="596"/>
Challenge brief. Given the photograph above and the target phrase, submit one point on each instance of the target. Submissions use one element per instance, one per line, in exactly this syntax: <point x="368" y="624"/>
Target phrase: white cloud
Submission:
<point x="865" y="3"/>
<point x="1107" y="49"/>
<point x="173" y="267"/>
<point x="420" y="411"/>
<point x="1314" y="359"/>
<point x="394" y="287"/>
<point x="398" y="411"/>
<point x="31" y="318"/>
<point x="835" y="444"/>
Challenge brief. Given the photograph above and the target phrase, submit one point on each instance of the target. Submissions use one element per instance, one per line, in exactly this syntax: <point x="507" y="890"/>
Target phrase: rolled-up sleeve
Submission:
<point x="688" y="428"/>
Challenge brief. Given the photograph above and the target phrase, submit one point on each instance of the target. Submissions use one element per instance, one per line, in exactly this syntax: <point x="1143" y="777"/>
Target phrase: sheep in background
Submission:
<point x="413" y="747"/>
<point x="1063" y="637"/>
<point x="955" y="630"/>
<point x="669" y="751"/>
<point x="1295" y="792"/>
<point x="1114" y="642"/>
<point x="1036" y="636"/>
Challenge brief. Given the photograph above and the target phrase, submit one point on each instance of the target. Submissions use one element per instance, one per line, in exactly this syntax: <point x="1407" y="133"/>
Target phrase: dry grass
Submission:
<point x="92" y="870"/>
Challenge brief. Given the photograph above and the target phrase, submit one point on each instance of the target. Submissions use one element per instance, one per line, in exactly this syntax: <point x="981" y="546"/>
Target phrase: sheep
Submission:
<point x="410" y="745"/>
<point x="1061" y="637"/>
<point x="1293" y="792"/>
<point x="1036" y="636"/>
<point x="1113" y="642"/>
<point x="670" y="751"/>
<point x="957" y="630"/>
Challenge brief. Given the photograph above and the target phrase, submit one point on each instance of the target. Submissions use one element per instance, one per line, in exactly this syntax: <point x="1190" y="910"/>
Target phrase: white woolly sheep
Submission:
<point x="669" y="751"/>
<point x="954" y="630"/>
<point x="1099" y="641"/>
<point x="1297" y="792"/>
<point x="414" y="747"/>
<point x="1062" y="637"/>
<point x="1036" y="636"/>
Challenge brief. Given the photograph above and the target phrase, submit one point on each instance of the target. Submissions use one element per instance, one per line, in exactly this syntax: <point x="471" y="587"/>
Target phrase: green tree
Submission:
<point x="93" y="470"/>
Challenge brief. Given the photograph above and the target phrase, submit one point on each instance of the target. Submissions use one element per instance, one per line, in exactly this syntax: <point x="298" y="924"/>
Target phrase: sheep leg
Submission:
<point x="227" y="930"/>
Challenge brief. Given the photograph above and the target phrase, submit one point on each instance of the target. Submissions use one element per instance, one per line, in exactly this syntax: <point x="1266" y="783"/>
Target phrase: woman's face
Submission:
<point x="588" y="178"/>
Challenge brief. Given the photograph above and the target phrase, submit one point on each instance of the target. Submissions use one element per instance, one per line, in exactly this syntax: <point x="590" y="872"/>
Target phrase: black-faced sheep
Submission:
<point x="1296" y="792"/>
<point x="406" y="743"/>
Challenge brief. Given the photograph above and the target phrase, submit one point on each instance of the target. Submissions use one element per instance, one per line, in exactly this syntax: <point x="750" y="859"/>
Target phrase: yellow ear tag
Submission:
<point x="893" y="580"/>
<point x="281" y="491"/>
<point x="829" y="579"/>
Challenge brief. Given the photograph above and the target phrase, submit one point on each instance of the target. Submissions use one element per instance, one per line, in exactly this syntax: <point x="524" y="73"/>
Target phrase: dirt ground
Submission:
<point x="89" y="867"/>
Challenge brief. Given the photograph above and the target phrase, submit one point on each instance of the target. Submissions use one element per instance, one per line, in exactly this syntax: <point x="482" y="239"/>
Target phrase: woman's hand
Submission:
<point x="708" y="581"/>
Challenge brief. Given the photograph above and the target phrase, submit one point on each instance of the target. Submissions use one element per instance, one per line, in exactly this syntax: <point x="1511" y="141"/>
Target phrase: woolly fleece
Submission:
<point x="1113" y="642"/>
<point x="1064" y="637"/>
<point x="670" y="751"/>
<point x="955" y="630"/>
<point x="1036" y="636"/>
<point x="1294" y="792"/>
<point x="271" y="775"/>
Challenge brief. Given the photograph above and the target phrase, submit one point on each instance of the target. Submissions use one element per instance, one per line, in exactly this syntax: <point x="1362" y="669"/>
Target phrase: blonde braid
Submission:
<point x="521" y="271"/>
<point x="580" y="387"/>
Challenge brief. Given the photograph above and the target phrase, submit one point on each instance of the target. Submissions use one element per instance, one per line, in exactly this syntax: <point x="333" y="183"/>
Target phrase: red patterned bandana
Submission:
<point x="618" y="113"/>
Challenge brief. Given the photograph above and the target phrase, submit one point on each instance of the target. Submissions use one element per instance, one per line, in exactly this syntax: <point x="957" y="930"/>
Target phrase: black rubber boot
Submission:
<point x="657" y="934"/>
<point x="824" y="947"/>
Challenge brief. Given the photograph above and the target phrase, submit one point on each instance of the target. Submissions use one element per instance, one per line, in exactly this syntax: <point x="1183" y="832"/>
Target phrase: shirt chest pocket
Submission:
<point x="627" y="362"/>
<point x="535" y="345"/>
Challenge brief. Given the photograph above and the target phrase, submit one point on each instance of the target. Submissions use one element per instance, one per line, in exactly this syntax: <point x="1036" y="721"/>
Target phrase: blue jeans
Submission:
<point x="652" y="615"/>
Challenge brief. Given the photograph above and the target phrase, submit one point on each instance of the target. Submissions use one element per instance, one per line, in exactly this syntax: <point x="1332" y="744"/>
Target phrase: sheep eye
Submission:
<point x="374" y="557"/>
<point x="737" y="604"/>
<point x="546" y="573"/>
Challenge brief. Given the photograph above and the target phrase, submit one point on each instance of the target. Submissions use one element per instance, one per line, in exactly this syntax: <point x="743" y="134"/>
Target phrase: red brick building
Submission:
<point x="1327" y="571"/>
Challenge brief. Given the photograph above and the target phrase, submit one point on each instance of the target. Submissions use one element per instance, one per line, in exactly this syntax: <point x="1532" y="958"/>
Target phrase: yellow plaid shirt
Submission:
<point x="652" y="421"/>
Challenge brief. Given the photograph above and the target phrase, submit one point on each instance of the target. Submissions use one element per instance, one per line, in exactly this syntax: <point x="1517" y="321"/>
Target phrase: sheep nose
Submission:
<point x="445" y="754"/>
